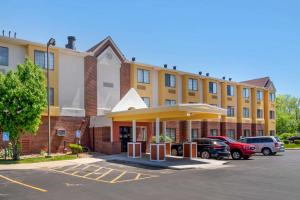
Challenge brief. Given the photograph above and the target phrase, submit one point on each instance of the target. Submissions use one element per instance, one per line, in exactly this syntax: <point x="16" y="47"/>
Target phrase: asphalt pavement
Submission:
<point x="260" y="178"/>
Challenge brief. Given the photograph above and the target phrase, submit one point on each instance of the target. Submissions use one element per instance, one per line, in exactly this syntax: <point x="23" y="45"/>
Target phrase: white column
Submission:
<point x="133" y="131"/>
<point x="157" y="130"/>
<point x="164" y="128"/>
<point x="189" y="130"/>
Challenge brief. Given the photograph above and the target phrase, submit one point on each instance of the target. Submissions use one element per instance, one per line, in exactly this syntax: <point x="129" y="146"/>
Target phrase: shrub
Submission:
<point x="162" y="138"/>
<point x="285" y="136"/>
<point x="297" y="141"/>
<point x="75" y="148"/>
<point x="286" y="141"/>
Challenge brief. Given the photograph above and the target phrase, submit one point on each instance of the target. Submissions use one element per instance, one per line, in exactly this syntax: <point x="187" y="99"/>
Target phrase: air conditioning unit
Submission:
<point x="61" y="132"/>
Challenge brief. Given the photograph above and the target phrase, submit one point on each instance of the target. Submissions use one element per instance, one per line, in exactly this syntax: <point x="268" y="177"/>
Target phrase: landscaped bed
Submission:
<point x="39" y="159"/>
<point x="291" y="146"/>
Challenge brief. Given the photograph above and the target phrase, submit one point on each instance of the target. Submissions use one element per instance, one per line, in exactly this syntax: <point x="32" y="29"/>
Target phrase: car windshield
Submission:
<point x="230" y="140"/>
<point x="277" y="139"/>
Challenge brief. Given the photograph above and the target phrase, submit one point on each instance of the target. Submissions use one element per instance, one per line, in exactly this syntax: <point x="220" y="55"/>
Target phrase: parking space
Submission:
<point x="103" y="172"/>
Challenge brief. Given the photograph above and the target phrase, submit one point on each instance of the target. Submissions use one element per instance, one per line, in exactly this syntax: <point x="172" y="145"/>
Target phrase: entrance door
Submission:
<point x="125" y="137"/>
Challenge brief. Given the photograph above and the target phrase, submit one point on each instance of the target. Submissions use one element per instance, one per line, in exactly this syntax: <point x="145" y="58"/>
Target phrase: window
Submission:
<point x="266" y="140"/>
<point x="212" y="88"/>
<point x="246" y="93"/>
<point x="230" y="111"/>
<point x="272" y="114"/>
<point x="213" y="132"/>
<point x="259" y="95"/>
<point x="272" y="133"/>
<point x="171" y="132"/>
<point x="170" y="102"/>
<point x="51" y="96"/>
<point x="230" y="90"/>
<point x="143" y="133"/>
<point x="259" y="113"/>
<point x="146" y="100"/>
<point x="193" y="84"/>
<point x="170" y="80"/>
<point x="246" y="112"/>
<point x="40" y="58"/>
<point x="194" y="133"/>
<point x="272" y="97"/>
<point x="247" y="133"/>
<point x="4" y="56"/>
<point x="230" y="133"/>
<point x="260" y="133"/>
<point x="143" y="76"/>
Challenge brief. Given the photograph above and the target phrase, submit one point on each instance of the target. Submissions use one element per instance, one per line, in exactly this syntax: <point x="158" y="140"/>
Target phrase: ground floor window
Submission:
<point x="231" y="133"/>
<point x="194" y="133"/>
<point x="214" y="132"/>
<point x="260" y="132"/>
<point x="143" y="131"/>
<point x="171" y="132"/>
<point x="247" y="133"/>
<point x="272" y="132"/>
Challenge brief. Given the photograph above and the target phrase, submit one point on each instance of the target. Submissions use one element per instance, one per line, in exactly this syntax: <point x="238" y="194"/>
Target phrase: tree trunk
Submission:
<point x="16" y="152"/>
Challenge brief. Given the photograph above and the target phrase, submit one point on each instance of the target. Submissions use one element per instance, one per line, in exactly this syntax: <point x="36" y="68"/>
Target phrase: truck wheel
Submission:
<point x="236" y="155"/>
<point x="205" y="155"/>
<point x="174" y="152"/>
<point x="266" y="151"/>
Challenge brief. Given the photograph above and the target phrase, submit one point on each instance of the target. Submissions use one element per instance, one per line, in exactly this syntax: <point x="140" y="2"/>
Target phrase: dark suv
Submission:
<point x="206" y="148"/>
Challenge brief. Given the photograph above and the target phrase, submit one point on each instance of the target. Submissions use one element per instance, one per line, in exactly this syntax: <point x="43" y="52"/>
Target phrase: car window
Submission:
<point x="243" y="140"/>
<point x="277" y="139"/>
<point x="266" y="140"/>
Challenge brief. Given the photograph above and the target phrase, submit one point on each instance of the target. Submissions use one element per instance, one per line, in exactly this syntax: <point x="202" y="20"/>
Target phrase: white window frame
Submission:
<point x="212" y="87"/>
<point x="193" y="84"/>
<point x="230" y="90"/>
<point x="143" y="76"/>
<point x="246" y="93"/>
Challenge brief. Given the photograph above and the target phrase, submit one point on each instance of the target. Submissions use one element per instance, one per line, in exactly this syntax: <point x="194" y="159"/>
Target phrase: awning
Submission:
<point x="194" y="111"/>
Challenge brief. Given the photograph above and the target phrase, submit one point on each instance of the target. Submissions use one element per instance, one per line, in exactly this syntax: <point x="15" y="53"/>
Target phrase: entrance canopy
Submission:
<point x="195" y="111"/>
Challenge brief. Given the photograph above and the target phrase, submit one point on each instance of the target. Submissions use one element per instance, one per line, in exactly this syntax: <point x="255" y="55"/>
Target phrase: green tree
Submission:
<point x="22" y="101"/>
<point x="288" y="114"/>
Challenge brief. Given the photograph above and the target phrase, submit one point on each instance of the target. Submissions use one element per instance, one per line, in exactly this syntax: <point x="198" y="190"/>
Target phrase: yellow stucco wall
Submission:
<point x="166" y="92"/>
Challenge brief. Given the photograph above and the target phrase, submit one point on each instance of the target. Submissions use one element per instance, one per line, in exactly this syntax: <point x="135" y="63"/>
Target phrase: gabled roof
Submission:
<point x="104" y="44"/>
<point x="261" y="82"/>
<point x="131" y="100"/>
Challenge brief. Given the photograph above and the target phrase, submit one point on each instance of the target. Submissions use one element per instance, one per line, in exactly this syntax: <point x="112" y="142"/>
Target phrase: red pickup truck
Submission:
<point x="238" y="150"/>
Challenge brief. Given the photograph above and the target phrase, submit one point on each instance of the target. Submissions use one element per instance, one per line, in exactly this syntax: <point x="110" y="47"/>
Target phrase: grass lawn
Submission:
<point x="292" y="145"/>
<point x="39" y="159"/>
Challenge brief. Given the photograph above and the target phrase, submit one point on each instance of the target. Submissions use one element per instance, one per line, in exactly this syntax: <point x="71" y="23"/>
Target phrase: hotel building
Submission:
<point x="86" y="86"/>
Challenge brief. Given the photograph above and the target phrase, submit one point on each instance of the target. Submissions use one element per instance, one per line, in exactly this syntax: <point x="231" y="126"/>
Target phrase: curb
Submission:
<point x="292" y="148"/>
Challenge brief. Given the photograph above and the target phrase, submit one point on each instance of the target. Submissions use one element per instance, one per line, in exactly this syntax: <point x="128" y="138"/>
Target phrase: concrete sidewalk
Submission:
<point x="177" y="163"/>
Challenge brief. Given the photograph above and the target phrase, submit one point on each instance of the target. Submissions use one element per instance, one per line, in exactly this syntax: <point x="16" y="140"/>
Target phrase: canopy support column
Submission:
<point x="189" y="148"/>
<point x="134" y="148"/>
<point x="157" y="150"/>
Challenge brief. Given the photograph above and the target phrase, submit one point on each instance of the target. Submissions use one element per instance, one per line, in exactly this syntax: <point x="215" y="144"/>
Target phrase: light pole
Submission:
<point x="51" y="42"/>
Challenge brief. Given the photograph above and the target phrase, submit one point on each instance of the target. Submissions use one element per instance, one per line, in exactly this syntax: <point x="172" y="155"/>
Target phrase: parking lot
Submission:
<point x="273" y="177"/>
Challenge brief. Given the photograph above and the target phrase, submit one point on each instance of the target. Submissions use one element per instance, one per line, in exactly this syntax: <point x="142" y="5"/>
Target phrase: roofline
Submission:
<point x="18" y="41"/>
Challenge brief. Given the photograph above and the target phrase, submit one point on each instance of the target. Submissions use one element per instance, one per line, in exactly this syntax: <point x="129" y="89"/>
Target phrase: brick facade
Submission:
<point x="124" y="78"/>
<point x="90" y="85"/>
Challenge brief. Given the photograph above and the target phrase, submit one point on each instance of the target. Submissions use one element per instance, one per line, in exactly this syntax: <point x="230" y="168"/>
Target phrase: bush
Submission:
<point x="285" y="136"/>
<point x="162" y="138"/>
<point x="75" y="148"/>
<point x="286" y="141"/>
<point x="297" y="141"/>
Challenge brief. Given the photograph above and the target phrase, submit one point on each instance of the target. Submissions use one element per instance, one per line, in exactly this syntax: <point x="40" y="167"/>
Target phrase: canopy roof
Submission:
<point x="195" y="111"/>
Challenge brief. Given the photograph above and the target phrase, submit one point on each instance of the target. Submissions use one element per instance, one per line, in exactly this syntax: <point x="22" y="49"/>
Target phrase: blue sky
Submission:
<point x="238" y="39"/>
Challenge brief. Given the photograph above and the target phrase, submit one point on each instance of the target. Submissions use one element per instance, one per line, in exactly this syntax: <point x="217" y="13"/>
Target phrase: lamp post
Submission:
<point x="51" y="42"/>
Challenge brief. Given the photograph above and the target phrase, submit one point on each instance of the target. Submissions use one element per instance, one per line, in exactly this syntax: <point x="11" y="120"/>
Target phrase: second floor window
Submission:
<point x="259" y="113"/>
<point x="259" y="95"/>
<point x="246" y="93"/>
<point x="230" y="111"/>
<point x="4" y="56"/>
<point x="272" y="114"/>
<point x="246" y="112"/>
<point x="193" y="84"/>
<point x="40" y="58"/>
<point x="272" y="97"/>
<point x="146" y="100"/>
<point x="212" y="87"/>
<point x="170" y="80"/>
<point x="170" y="102"/>
<point x="143" y="76"/>
<point x="230" y="90"/>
